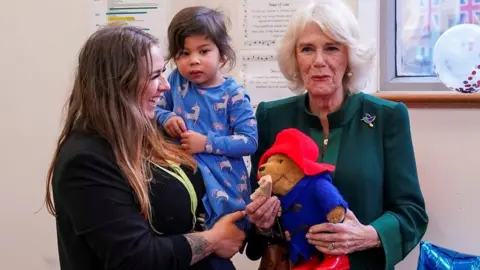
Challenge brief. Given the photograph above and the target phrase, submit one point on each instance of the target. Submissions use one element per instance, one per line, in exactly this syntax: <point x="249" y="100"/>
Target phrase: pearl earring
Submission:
<point x="349" y="74"/>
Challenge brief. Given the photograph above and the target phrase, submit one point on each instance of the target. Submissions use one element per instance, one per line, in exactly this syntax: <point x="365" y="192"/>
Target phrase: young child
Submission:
<point x="208" y="113"/>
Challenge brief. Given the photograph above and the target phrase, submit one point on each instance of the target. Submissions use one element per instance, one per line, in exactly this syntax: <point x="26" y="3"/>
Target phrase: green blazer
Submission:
<point x="375" y="167"/>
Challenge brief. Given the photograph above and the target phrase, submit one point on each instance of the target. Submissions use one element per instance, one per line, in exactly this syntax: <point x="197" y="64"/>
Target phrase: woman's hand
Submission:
<point x="343" y="238"/>
<point x="228" y="237"/>
<point x="262" y="211"/>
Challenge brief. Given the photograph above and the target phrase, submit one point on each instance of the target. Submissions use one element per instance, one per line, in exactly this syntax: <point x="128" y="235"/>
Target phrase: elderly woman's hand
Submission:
<point x="262" y="211"/>
<point x="343" y="238"/>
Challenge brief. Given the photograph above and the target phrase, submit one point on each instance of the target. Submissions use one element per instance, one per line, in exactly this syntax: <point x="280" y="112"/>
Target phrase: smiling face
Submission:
<point x="154" y="82"/>
<point x="322" y="62"/>
<point x="284" y="173"/>
<point x="200" y="61"/>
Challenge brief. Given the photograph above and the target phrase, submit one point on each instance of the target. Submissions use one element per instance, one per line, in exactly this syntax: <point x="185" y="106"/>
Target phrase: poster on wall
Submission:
<point x="262" y="78"/>
<point x="265" y="22"/>
<point x="150" y="15"/>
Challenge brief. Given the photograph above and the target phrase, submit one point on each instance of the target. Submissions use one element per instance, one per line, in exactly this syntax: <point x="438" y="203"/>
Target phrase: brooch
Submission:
<point x="368" y="119"/>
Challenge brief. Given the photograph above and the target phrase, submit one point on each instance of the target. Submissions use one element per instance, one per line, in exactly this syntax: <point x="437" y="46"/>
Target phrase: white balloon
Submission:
<point x="456" y="58"/>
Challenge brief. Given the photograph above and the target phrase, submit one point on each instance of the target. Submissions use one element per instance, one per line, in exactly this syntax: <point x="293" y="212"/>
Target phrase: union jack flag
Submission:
<point x="469" y="11"/>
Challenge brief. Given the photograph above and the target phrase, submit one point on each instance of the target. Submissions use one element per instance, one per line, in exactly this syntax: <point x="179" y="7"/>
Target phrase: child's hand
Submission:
<point x="175" y="126"/>
<point x="193" y="142"/>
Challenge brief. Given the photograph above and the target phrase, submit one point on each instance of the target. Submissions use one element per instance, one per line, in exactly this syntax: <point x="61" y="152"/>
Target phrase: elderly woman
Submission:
<point x="367" y="139"/>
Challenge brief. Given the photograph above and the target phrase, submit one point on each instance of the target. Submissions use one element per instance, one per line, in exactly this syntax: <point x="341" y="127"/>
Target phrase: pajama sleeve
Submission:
<point x="164" y="110"/>
<point x="244" y="140"/>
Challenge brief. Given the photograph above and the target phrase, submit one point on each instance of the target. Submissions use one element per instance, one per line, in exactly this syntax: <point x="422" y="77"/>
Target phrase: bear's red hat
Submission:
<point x="300" y="148"/>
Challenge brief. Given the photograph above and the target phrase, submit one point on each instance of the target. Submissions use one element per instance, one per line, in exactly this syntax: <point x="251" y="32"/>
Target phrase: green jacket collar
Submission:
<point x="336" y="119"/>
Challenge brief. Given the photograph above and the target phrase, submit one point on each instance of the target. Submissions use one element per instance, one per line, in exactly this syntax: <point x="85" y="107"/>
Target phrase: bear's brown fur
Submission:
<point x="285" y="174"/>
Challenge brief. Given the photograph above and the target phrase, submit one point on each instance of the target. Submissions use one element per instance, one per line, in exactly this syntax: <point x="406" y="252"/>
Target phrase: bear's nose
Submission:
<point x="261" y="168"/>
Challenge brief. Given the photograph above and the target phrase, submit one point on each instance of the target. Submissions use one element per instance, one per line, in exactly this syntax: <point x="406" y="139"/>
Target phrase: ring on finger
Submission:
<point x="331" y="246"/>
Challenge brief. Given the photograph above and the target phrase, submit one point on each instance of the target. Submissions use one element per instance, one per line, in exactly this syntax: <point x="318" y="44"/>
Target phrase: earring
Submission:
<point x="294" y="76"/>
<point x="349" y="74"/>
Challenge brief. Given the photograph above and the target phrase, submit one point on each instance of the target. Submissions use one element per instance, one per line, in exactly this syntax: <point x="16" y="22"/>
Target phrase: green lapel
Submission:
<point x="310" y="124"/>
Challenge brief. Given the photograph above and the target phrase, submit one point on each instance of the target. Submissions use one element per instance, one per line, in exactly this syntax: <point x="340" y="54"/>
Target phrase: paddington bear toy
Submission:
<point x="307" y="195"/>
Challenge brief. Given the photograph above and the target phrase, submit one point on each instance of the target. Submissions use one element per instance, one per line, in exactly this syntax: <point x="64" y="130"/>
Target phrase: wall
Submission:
<point x="40" y="41"/>
<point x="447" y="151"/>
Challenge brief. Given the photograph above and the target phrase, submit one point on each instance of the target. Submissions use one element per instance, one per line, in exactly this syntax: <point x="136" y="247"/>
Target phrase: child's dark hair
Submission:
<point x="200" y="20"/>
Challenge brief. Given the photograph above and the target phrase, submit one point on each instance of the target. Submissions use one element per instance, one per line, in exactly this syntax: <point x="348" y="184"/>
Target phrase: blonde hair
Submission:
<point x="105" y="101"/>
<point x="338" y="22"/>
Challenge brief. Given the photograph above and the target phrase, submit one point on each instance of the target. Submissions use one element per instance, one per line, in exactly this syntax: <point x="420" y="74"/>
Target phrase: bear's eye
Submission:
<point x="280" y="161"/>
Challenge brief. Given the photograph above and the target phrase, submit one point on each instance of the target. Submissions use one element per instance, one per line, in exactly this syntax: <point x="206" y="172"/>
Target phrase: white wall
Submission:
<point x="37" y="51"/>
<point x="447" y="149"/>
<point x="38" y="47"/>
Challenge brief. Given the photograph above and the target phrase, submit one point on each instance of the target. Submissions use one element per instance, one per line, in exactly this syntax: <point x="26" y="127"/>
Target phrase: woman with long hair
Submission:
<point x="123" y="197"/>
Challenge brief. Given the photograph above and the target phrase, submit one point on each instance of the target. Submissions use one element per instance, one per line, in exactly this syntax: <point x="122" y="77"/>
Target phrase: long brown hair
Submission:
<point x="105" y="101"/>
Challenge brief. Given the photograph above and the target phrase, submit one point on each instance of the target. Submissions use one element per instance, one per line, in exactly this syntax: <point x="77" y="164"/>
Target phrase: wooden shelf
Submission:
<point x="433" y="99"/>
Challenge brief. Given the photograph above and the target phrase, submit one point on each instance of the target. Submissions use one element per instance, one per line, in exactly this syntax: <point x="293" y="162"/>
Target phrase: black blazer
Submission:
<point x="99" y="225"/>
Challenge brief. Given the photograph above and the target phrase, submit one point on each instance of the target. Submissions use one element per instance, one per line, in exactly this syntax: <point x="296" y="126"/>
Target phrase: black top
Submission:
<point x="99" y="225"/>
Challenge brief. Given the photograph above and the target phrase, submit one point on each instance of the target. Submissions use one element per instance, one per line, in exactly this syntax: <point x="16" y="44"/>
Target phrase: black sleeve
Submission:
<point x="101" y="206"/>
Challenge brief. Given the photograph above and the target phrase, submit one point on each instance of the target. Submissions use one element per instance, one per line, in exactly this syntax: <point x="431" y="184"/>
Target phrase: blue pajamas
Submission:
<point x="224" y="114"/>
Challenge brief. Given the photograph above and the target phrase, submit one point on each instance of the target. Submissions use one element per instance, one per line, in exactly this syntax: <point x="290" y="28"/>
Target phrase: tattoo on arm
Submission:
<point x="201" y="248"/>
